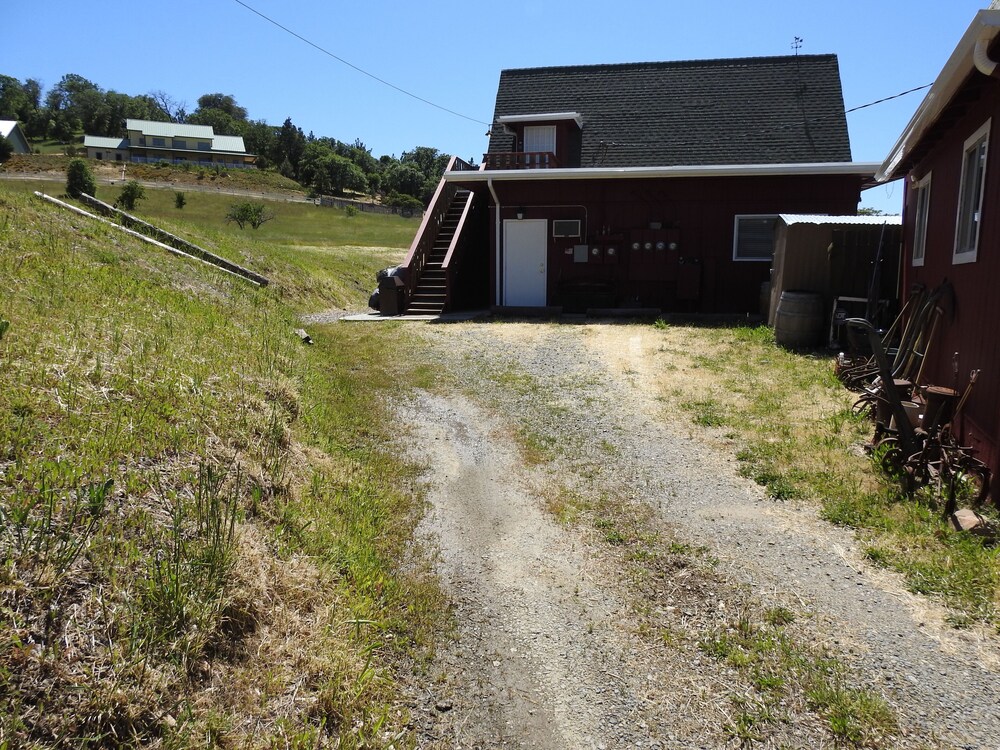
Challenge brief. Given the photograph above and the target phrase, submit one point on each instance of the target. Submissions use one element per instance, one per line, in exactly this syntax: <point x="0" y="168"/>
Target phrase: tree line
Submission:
<point x="322" y="164"/>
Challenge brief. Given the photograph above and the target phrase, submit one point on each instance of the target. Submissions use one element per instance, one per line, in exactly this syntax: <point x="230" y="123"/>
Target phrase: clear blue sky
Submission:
<point x="451" y="53"/>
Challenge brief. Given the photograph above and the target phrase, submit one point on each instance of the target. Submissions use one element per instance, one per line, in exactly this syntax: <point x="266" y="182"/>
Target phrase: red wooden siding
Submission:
<point x="970" y="328"/>
<point x="697" y="213"/>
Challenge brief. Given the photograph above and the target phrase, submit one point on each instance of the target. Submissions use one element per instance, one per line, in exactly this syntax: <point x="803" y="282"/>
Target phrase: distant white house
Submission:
<point x="151" y="142"/>
<point x="10" y="130"/>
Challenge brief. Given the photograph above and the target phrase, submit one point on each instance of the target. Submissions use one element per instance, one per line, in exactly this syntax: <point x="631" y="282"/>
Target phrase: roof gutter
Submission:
<point x="981" y="56"/>
<point x="863" y="169"/>
<point x="969" y="54"/>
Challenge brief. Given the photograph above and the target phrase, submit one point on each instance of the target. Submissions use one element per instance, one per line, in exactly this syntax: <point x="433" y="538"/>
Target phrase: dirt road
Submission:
<point x="558" y="645"/>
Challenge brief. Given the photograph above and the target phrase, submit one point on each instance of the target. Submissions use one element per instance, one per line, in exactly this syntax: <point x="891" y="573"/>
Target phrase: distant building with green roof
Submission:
<point x="148" y="141"/>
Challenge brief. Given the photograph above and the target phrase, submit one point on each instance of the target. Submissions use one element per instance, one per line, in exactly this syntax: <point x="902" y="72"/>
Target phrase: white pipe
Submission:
<point x="981" y="55"/>
<point x="496" y="202"/>
<point x="142" y="237"/>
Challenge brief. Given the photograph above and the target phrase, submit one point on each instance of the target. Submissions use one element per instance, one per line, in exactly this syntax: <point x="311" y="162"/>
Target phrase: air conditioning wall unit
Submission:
<point x="565" y="227"/>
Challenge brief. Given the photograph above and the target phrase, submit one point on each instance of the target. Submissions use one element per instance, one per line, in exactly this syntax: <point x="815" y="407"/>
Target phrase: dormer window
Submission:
<point x="540" y="139"/>
<point x="543" y="141"/>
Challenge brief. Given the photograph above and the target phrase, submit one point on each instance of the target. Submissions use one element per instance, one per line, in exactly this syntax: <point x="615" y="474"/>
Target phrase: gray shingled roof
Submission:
<point x="760" y="110"/>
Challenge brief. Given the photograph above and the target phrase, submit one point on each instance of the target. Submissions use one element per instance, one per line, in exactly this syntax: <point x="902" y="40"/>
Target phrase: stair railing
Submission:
<point x="453" y="260"/>
<point x="430" y="227"/>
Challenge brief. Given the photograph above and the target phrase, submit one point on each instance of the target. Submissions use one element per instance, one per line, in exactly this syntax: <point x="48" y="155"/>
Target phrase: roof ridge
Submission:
<point x="716" y="61"/>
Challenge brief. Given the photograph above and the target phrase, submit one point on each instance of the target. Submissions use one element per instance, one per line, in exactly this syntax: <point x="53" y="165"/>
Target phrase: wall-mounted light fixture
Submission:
<point x="520" y="212"/>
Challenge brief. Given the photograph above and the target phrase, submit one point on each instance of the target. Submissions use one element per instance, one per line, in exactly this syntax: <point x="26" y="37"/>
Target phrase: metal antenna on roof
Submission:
<point x="797" y="45"/>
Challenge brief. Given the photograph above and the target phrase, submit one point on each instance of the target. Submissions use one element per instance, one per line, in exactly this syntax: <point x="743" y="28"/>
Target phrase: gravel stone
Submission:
<point x="545" y="651"/>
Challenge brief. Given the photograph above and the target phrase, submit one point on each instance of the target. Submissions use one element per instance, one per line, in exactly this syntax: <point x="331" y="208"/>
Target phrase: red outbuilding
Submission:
<point x="951" y="223"/>
<point x="652" y="186"/>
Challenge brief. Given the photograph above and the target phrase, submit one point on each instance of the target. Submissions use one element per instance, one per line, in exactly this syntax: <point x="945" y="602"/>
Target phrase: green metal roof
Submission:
<point x="229" y="143"/>
<point x="97" y="141"/>
<point x="170" y="129"/>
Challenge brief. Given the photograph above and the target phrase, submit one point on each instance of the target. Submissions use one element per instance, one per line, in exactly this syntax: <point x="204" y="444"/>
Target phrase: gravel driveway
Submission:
<point x="550" y="649"/>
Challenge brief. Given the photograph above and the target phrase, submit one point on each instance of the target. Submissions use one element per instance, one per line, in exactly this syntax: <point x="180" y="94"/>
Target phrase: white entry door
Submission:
<point x="525" y="247"/>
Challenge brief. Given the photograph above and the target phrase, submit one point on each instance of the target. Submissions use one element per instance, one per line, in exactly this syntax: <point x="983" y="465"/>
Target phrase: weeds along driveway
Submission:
<point x="616" y="583"/>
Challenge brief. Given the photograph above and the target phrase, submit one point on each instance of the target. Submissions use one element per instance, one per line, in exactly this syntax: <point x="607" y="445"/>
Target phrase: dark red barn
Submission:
<point x="643" y="185"/>
<point x="951" y="222"/>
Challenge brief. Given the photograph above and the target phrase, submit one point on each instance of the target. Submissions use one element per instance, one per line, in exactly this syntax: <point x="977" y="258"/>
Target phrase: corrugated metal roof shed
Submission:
<point x="892" y="220"/>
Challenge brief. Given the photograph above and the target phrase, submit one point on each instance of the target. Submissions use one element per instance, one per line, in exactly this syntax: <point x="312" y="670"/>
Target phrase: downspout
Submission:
<point x="981" y="55"/>
<point x="496" y="202"/>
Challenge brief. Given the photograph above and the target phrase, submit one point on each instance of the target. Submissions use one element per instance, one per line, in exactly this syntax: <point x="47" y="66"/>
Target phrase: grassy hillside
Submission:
<point x="319" y="257"/>
<point x="53" y="162"/>
<point x="195" y="538"/>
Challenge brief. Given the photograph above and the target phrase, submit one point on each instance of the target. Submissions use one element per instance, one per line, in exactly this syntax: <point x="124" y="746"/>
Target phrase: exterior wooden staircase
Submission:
<point x="430" y="295"/>
<point x="432" y="264"/>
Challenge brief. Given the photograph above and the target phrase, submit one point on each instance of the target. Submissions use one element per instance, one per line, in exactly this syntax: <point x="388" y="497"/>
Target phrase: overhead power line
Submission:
<point x="355" y="67"/>
<point x="428" y="102"/>
<point x="888" y="98"/>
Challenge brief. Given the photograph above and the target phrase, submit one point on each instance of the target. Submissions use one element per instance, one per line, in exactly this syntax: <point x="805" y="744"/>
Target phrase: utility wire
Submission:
<point x="750" y="133"/>
<point x="482" y="122"/>
<point x="888" y="98"/>
<point x="355" y="67"/>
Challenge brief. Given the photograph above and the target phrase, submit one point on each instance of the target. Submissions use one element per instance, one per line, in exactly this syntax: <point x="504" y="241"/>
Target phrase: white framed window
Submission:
<point x="970" y="199"/>
<point x="540" y="138"/>
<point x="753" y="236"/>
<point x="923" y="202"/>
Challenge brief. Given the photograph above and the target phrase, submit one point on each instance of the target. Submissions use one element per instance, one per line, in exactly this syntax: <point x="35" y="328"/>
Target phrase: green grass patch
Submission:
<point x="776" y="665"/>
<point x="798" y="437"/>
<point x="316" y="257"/>
<point x="191" y="499"/>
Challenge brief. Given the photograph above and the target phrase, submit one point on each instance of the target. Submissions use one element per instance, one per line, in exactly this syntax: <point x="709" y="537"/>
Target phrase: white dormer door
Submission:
<point x="540" y="138"/>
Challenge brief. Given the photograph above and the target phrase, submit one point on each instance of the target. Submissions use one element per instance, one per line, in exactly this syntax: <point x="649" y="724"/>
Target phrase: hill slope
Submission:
<point x="201" y="534"/>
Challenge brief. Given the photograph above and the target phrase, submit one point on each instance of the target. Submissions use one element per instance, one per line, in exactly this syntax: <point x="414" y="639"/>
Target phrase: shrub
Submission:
<point x="351" y="211"/>
<point x="248" y="212"/>
<point x="407" y="204"/>
<point x="79" y="179"/>
<point x="180" y="200"/>
<point x="130" y="196"/>
<point x="6" y="149"/>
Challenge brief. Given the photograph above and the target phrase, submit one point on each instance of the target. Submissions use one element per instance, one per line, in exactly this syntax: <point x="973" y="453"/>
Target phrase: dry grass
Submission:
<point x="203" y="540"/>
<point x="790" y="424"/>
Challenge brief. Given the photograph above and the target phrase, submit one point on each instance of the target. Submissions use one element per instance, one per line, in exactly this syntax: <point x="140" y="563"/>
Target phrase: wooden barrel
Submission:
<point x="798" y="321"/>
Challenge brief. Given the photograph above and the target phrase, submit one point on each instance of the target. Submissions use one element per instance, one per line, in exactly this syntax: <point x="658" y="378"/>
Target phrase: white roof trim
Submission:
<point x="542" y="117"/>
<point x="985" y="27"/>
<point x="863" y="169"/>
